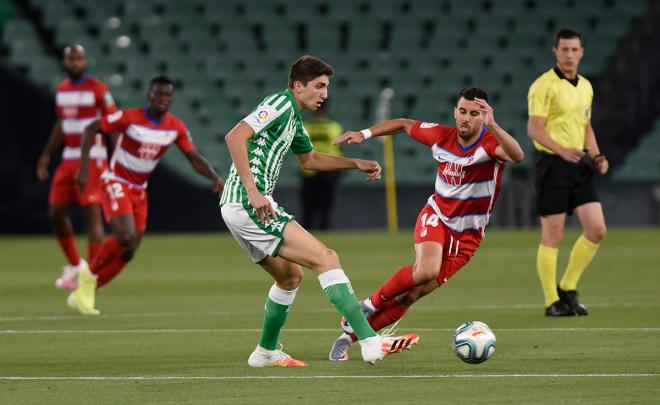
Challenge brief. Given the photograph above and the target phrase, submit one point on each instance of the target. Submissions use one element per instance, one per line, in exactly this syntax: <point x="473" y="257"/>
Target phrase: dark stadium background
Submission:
<point x="227" y="55"/>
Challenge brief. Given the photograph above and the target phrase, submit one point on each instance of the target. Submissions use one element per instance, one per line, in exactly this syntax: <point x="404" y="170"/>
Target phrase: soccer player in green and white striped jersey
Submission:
<point x="269" y="235"/>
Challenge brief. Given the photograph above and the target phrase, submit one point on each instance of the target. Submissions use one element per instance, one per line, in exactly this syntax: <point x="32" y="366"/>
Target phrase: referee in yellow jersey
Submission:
<point x="568" y="156"/>
<point x="318" y="189"/>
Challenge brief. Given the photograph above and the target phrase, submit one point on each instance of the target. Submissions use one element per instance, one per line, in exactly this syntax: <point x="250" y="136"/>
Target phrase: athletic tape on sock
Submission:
<point x="332" y="277"/>
<point x="280" y="296"/>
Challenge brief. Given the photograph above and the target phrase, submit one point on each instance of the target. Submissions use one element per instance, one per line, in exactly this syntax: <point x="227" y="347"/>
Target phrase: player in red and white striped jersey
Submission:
<point x="145" y="135"/>
<point x="79" y="100"/>
<point x="470" y="158"/>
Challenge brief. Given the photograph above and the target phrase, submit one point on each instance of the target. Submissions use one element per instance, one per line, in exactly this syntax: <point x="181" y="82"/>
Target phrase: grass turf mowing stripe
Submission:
<point x="313" y="377"/>
<point x="308" y="311"/>
<point x="298" y="330"/>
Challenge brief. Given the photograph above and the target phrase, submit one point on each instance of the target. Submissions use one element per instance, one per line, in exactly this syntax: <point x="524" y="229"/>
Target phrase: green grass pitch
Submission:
<point x="179" y="323"/>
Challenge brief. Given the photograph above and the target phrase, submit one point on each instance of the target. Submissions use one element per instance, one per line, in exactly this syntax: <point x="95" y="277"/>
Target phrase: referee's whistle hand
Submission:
<point x="571" y="155"/>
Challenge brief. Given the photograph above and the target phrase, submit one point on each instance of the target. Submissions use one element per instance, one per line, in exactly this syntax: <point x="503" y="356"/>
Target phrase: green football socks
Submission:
<point x="338" y="289"/>
<point x="275" y="312"/>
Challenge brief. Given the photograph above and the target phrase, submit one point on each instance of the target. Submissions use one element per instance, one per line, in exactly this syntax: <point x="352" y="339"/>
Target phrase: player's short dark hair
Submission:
<point x="568" y="33"/>
<point x="470" y="93"/>
<point x="161" y="79"/>
<point x="308" y="68"/>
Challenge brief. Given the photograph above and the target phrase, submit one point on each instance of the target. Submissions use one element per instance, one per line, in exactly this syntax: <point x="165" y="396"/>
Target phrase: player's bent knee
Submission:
<point x="410" y="297"/>
<point x="124" y="238"/>
<point x="127" y="254"/>
<point x="596" y="234"/>
<point x="58" y="213"/>
<point x="424" y="274"/>
<point x="330" y="259"/>
<point x="290" y="284"/>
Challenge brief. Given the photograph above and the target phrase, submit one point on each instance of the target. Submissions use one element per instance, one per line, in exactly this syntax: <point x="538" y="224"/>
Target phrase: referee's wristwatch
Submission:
<point x="598" y="158"/>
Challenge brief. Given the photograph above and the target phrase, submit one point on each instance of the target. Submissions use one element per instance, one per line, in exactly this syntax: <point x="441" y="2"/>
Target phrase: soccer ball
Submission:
<point x="473" y="342"/>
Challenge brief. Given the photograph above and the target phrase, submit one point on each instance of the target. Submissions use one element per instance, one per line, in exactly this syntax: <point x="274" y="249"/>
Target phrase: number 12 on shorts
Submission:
<point x="115" y="191"/>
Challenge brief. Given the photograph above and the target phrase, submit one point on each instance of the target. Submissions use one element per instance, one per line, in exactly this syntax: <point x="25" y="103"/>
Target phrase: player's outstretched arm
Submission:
<point x="55" y="140"/>
<point x="88" y="135"/>
<point x="203" y="167"/>
<point x="389" y="127"/>
<point x="324" y="162"/>
<point x="509" y="148"/>
<point x="236" y="141"/>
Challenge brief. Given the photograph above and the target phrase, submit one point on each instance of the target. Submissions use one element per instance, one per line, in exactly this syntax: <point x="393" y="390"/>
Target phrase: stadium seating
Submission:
<point x="643" y="163"/>
<point x="228" y="54"/>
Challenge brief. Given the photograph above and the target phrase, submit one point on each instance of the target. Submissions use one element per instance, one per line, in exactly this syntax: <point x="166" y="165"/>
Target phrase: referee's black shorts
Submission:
<point x="561" y="186"/>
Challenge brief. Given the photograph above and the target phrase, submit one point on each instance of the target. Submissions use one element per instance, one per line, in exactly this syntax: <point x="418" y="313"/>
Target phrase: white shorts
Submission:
<point x="258" y="240"/>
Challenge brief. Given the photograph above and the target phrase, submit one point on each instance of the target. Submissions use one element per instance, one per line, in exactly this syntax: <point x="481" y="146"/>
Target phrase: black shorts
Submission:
<point x="561" y="186"/>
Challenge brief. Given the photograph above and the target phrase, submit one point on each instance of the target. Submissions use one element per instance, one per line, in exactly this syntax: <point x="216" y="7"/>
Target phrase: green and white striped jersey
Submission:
<point x="277" y="127"/>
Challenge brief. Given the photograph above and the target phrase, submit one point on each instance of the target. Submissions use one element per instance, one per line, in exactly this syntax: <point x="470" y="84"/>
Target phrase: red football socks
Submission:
<point x="110" y="249"/>
<point x="391" y="312"/>
<point x="68" y="245"/>
<point x="92" y="249"/>
<point x="400" y="282"/>
<point x="109" y="271"/>
<point x="385" y="318"/>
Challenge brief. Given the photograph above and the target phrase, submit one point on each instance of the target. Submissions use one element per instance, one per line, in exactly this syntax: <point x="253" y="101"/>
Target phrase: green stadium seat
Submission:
<point x="323" y="37"/>
<point x="277" y="37"/>
<point x="53" y="12"/>
<point x="305" y="11"/>
<point x="407" y="37"/>
<point x="17" y="29"/>
<point x="71" y="30"/>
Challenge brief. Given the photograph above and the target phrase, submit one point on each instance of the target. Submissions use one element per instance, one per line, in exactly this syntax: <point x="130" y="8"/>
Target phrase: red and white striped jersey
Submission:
<point x="468" y="179"/>
<point x="141" y="143"/>
<point x="76" y="105"/>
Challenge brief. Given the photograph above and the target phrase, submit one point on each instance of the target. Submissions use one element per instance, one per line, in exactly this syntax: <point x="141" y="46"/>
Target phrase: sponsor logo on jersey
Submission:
<point x="262" y="116"/>
<point x="428" y="125"/>
<point x="453" y="173"/>
<point x="70" y="112"/>
<point x="149" y="151"/>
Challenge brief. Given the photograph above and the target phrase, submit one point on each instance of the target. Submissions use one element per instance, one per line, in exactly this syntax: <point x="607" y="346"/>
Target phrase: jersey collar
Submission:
<point x="152" y="119"/>
<point x="80" y="80"/>
<point x="291" y="98"/>
<point x="466" y="148"/>
<point x="559" y="73"/>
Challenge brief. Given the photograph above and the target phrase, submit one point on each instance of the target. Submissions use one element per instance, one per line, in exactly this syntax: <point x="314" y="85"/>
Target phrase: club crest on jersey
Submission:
<point x="149" y="151"/>
<point x="453" y="173"/>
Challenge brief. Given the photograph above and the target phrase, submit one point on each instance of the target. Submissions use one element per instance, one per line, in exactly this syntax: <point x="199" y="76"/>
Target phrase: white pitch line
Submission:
<point x="323" y="377"/>
<point x="295" y="330"/>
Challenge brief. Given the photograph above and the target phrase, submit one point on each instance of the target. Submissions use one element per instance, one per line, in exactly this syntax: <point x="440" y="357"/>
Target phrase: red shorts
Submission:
<point x="64" y="189"/>
<point x="458" y="248"/>
<point x="121" y="198"/>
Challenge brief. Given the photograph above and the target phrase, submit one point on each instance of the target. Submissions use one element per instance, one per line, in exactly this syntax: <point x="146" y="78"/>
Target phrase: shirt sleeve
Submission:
<point x="301" y="142"/>
<point x="183" y="140"/>
<point x="539" y="98"/>
<point x="118" y="121"/>
<point x="490" y="143"/>
<point x="264" y="116"/>
<point x="425" y="132"/>
<point x="104" y="100"/>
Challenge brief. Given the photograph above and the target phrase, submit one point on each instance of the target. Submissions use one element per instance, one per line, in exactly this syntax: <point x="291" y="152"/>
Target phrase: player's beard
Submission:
<point x="75" y="75"/>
